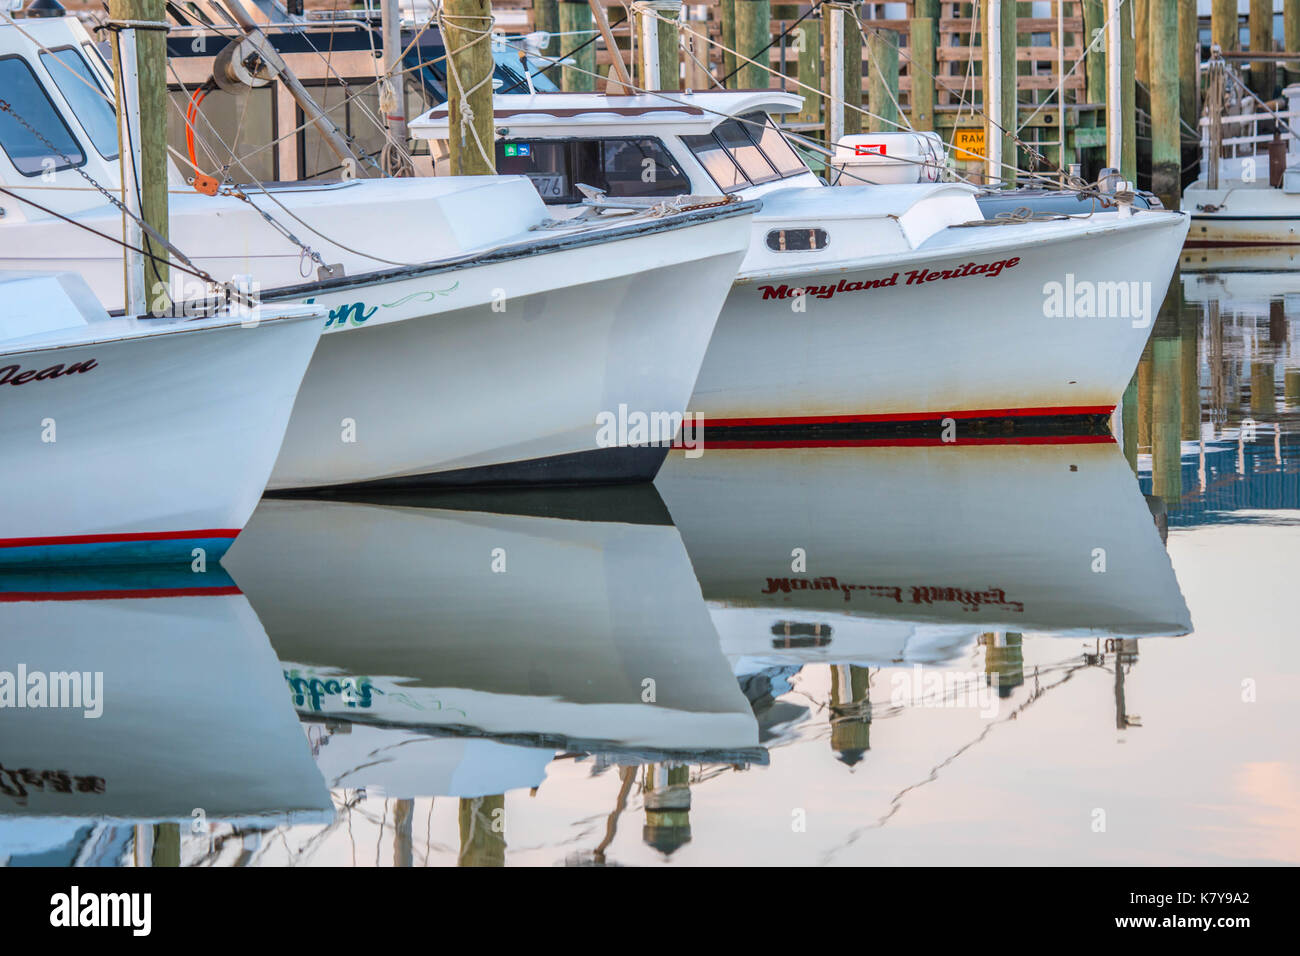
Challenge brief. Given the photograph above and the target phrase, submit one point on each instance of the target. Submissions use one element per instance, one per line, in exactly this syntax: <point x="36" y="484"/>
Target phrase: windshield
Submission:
<point x="79" y="86"/>
<point x="620" y="167"/>
<point x="744" y="152"/>
<point x="33" y="135"/>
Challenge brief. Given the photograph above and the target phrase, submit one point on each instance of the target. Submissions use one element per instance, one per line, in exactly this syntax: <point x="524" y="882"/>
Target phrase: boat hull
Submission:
<point x="948" y="334"/>
<point x="1242" y="216"/>
<point x="498" y="371"/>
<point x="156" y="451"/>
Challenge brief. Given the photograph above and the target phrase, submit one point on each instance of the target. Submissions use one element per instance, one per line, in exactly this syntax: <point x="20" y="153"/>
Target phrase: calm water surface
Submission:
<point x="1015" y="654"/>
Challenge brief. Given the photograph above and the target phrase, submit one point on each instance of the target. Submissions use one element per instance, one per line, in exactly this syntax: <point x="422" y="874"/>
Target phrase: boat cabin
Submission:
<point x="640" y="146"/>
<point x="61" y="122"/>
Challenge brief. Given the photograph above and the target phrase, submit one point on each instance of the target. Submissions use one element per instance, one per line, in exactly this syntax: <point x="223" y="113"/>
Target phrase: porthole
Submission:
<point x="797" y="240"/>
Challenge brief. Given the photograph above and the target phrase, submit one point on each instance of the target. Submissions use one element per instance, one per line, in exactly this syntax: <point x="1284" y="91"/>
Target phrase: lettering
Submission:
<point x="969" y="600"/>
<point x="18" y="783"/>
<point x="989" y="270"/>
<point x="17" y="375"/>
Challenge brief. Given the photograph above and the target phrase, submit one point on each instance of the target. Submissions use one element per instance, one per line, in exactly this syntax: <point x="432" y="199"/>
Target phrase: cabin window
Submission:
<point x="621" y="167"/>
<point x="29" y="152"/>
<point x="774" y="145"/>
<point x="717" y="162"/>
<point x="797" y="240"/>
<point x="745" y="152"/>
<point x="735" y="139"/>
<point x="85" y="95"/>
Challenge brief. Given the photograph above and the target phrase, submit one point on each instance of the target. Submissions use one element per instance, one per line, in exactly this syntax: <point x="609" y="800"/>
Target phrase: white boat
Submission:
<point x="136" y="440"/>
<point x="858" y="305"/>
<point x="469" y="338"/>
<point x="169" y="708"/>
<point x="570" y="627"/>
<point x="1255" y="202"/>
<point x="906" y="555"/>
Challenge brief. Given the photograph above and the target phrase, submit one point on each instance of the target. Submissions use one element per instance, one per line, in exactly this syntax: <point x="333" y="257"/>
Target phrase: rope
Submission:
<point x="1020" y="214"/>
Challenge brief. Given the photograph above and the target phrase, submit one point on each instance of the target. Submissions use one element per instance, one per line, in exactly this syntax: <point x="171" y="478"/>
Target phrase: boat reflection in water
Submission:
<point x="576" y="658"/>
<point x="193" y="740"/>
<point x="906" y="557"/>
<point x="454" y="650"/>
<point x="890" y="555"/>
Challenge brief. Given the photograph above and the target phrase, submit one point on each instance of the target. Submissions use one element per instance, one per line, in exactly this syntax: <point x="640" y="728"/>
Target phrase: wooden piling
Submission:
<point x="1291" y="37"/>
<point x="166" y="850"/>
<point x="1144" y="392"/>
<point x="1263" y="75"/>
<point x="1094" y="21"/>
<point x="1263" y="393"/>
<point x="923" y="61"/>
<point x="727" y="13"/>
<point x="1189" y="78"/>
<point x="576" y="20"/>
<point x="467" y="28"/>
<point x="1167" y="400"/>
<point x="922" y="67"/>
<point x="1189" y="331"/>
<point x="1214" y="114"/>
<point x="1142" y="39"/>
<point x="1128" y="100"/>
<point x="809" y="60"/>
<point x="853" y="119"/>
<point x="482" y="833"/>
<point x="546" y="18"/>
<point x="695" y="56"/>
<point x="753" y="33"/>
<point x="1224" y="29"/>
<point x="151" y="68"/>
<point x="1166" y="141"/>
<point x="882" y="54"/>
<point x="1128" y="417"/>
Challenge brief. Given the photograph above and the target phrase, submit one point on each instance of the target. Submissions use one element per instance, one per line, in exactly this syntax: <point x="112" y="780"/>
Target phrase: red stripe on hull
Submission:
<point x="910" y="442"/>
<point x="1042" y="412"/>
<point x="119" y="538"/>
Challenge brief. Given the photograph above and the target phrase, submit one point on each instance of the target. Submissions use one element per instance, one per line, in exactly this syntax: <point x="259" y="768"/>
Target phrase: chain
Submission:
<point x="5" y="107"/>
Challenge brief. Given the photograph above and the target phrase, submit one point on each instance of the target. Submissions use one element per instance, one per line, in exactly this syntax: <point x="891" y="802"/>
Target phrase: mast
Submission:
<point x="993" y="111"/>
<point x="392" y="31"/>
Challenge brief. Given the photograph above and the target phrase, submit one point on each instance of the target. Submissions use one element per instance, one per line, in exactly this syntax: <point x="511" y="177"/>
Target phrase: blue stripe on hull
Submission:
<point x="107" y="581"/>
<point x="174" y="551"/>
